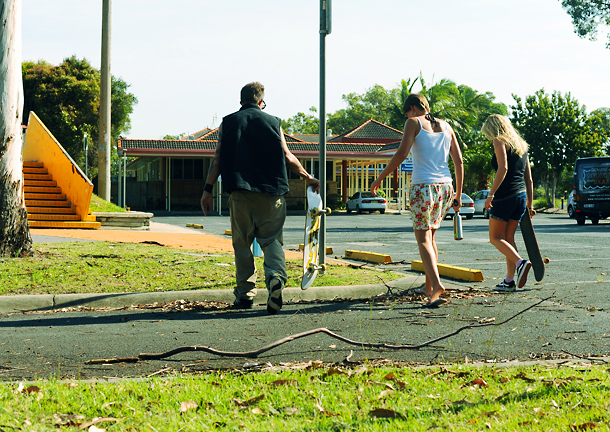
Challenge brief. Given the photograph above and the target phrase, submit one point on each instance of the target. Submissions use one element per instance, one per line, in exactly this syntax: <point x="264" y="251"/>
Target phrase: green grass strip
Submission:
<point x="106" y="267"/>
<point x="308" y="397"/>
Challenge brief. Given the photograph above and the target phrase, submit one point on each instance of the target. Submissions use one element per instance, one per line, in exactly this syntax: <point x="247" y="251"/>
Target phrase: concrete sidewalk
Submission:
<point x="178" y="237"/>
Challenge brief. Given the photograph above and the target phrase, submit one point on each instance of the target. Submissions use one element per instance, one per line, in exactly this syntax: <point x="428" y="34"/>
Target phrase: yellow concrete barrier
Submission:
<point x="461" y="273"/>
<point x="368" y="256"/>
<point x="192" y="225"/>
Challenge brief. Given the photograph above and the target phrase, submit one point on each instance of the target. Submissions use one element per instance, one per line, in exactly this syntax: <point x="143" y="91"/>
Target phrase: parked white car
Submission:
<point x="467" y="209"/>
<point x="366" y="201"/>
<point x="479" y="203"/>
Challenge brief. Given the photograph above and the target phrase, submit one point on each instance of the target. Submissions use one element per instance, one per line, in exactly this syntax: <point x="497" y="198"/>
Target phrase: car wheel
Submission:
<point x="594" y="220"/>
<point x="469" y="216"/>
<point x="348" y="210"/>
<point x="358" y="210"/>
<point x="570" y="211"/>
<point x="486" y="214"/>
<point x="381" y="211"/>
<point x="580" y="219"/>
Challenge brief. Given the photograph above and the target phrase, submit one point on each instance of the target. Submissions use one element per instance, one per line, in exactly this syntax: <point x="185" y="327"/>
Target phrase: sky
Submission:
<point x="186" y="60"/>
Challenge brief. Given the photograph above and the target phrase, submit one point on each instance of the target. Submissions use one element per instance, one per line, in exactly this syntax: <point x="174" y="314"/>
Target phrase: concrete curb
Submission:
<point x="46" y="302"/>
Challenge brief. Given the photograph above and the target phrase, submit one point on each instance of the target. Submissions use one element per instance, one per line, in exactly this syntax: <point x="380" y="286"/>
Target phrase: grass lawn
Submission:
<point x="105" y="267"/>
<point x="99" y="205"/>
<point x="311" y="397"/>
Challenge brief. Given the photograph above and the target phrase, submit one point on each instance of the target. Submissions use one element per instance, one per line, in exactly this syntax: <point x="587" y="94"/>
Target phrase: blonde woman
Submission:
<point x="431" y="194"/>
<point x="509" y="197"/>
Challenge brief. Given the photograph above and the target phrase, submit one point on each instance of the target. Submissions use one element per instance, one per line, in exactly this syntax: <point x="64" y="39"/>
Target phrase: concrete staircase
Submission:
<point x="47" y="206"/>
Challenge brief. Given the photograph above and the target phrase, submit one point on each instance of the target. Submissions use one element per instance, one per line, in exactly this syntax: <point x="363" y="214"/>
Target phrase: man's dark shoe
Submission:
<point x="241" y="303"/>
<point x="274" y="301"/>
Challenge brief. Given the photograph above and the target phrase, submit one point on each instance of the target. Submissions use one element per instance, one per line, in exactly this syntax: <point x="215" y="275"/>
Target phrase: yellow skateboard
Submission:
<point x="311" y="250"/>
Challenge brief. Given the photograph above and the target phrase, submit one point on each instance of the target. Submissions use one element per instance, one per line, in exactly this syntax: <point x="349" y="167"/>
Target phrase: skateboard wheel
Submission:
<point x="547" y="260"/>
<point x="328" y="210"/>
<point x="315" y="212"/>
<point x="323" y="267"/>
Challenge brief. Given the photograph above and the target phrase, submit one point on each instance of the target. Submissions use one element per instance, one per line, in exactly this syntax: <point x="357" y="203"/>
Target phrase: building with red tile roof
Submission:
<point x="169" y="174"/>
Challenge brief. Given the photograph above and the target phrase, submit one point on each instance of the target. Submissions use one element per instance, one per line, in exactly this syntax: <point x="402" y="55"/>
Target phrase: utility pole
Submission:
<point x="104" y="143"/>
<point x="325" y="29"/>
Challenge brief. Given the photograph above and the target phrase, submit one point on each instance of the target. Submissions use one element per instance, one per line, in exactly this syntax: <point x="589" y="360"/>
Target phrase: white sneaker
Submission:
<point x="522" y="271"/>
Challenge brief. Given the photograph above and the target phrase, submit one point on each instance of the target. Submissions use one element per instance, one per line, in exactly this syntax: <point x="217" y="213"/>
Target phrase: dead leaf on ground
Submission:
<point x="334" y="371"/>
<point x="322" y="410"/>
<point x="476" y="382"/>
<point x="31" y="389"/>
<point x="97" y="420"/>
<point x="68" y="419"/>
<point x="524" y="377"/>
<point x="385" y="394"/>
<point x="502" y="396"/>
<point x="188" y="405"/>
<point x="385" y="413"/>
<point x="257" y="410"/>
<point x="250" y="401"/>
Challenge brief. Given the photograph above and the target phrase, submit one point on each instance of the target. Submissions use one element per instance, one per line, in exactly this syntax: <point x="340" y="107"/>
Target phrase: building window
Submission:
<point x="187" y="169"/>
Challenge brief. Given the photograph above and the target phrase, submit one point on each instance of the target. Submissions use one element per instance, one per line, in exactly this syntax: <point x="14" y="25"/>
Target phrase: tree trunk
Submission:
<point x="553" y="190"/>
<point x="15" y="236"/>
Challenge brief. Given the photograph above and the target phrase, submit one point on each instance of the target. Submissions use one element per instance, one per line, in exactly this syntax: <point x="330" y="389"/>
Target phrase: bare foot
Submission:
<point x="436" y="294"/>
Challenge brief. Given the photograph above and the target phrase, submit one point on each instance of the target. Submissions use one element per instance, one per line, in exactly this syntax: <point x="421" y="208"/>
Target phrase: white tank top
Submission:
<point x="430" y="155"/>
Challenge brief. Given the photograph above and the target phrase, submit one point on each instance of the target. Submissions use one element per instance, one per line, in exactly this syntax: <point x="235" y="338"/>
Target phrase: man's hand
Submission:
<point x="314" y="183"/>
<point x="206" y="202"/>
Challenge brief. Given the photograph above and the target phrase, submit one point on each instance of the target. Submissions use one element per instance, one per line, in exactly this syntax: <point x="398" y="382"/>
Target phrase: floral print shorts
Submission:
<point x="430" y="204"/>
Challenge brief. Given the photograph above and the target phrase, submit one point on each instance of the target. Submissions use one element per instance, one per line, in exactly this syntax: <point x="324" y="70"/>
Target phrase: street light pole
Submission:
<point x="104" y="143"/>
<point x="325" y="29"/>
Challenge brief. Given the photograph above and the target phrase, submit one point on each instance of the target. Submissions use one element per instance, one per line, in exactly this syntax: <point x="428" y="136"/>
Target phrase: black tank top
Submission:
<point x="514" y="181"/>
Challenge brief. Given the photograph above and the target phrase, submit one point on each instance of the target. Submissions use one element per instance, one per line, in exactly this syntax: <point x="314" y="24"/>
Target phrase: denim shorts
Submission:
<point x="509" y="208"/>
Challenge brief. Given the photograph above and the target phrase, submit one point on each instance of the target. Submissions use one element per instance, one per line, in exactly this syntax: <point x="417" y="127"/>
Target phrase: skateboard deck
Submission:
<point x="531" y="245"/>
<point x="311" y="249"/>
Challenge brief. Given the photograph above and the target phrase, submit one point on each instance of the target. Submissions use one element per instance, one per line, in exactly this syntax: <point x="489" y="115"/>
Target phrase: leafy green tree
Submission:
<point x="174" y="137"/>
<point x="604" y="114"/>
<point x="67" y="98"/>
<point x="588" y="16"/>
<point x="377" y="103"/>
<point x="558" y="131"/>
<point x="302" y="123"/>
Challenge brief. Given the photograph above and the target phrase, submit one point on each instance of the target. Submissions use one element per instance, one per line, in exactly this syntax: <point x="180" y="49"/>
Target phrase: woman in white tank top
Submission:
<point x="431" y="194"/>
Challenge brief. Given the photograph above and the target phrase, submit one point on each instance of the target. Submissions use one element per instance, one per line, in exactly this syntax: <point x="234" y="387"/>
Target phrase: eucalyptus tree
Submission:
<point x="587" y="16"/>
<point x="15" y="239"/>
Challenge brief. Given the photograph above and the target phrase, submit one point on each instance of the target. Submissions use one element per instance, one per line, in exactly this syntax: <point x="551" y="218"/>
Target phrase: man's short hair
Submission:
<point x="253" y="92"/>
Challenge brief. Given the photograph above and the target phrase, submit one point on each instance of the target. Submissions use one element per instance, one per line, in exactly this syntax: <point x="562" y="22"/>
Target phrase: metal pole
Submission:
<point x="325" y="28"/>
<point x="86" y="147"/>
<point x="124" y="181"/>
<point x="103" y="182"/>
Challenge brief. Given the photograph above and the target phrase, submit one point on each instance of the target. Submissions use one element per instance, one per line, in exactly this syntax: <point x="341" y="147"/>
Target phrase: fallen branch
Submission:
<point x="584" y="358"/>
<point x="256" y="353"/>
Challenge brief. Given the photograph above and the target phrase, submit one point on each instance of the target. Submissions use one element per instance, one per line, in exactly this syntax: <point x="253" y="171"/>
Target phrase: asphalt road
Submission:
<point x="575" y="321"/>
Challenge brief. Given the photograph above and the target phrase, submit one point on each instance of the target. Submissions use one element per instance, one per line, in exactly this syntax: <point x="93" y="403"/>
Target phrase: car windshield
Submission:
<point x="367" y="195"/>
